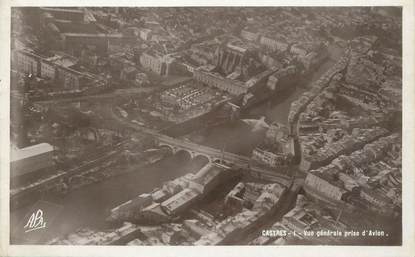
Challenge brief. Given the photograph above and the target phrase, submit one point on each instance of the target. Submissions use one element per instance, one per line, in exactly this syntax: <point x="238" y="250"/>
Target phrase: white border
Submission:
<point x="407" y="249"/>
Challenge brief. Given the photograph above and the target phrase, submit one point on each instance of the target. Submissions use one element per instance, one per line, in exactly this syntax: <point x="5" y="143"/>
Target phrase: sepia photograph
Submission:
<point x="202" y="126"/>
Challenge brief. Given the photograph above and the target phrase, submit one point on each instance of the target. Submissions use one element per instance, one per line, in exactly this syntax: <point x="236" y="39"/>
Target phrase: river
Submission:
<point x="90" y="205"/>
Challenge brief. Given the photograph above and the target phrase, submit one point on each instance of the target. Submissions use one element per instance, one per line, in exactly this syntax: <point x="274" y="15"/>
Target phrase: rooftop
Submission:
<point x="179" y="199"/>
<point x="30" y="151"/>
<point x="71" y="10"/>
<point x="103" y="35"/>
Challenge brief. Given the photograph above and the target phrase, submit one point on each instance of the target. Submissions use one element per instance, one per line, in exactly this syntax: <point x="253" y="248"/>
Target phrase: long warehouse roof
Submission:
<point x="27" y="152"/>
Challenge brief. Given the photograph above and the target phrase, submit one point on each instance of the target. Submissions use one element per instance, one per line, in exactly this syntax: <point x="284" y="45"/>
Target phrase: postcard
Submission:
<point x="252" y="129"/>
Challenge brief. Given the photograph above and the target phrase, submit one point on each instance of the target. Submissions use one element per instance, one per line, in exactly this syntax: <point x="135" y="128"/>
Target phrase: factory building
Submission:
<point x="30" y="162"/>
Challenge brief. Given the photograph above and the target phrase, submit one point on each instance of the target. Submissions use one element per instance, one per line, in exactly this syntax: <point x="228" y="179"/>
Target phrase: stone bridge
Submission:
<point x="212" y="154"/>
<point x="216" y="155"/>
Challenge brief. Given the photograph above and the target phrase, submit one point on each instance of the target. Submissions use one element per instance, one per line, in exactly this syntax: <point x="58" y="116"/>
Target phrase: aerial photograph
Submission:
<point x="142" y="126"/>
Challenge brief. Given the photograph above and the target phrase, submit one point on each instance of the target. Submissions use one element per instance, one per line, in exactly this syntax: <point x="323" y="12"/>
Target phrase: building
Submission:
<point x="128" y="209"/>
<point x="70" y="79"/>
<point x="249" y="35"/>
<point x="31" y="161"/>
<point x="70" y="14"/>
<point x="211" y="175"/>
<point x="236" y="227"/>
<point x="57" y="68"/>
<point x="346" y="145"/>
<point x="269" y="158"/>
<point x="145" y="34"/>
<point x="188" y="96"/>
<point x="233" y="87"/>
<point x="229" y="58"/>
<point x="196" y="227"/>
<point x="128" y="73"/>
<point x="273" y="43"/>
<point x="180" y="201"/>
<point x="234" y="200"/>
<point x="323" y="189"/>
<point x="27" y="62"/>
<point x="47" y="70"/>
<point x="299" y="49"/>
<point x="299" y="220"/>
<point x="153" y="214"/>
<point x="269" y="198"/>
<point x="154" y="62"/>
<point x="74" y="43"/>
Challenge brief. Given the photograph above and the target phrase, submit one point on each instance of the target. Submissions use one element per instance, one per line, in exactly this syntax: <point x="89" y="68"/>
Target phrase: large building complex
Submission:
<point x="57" y="68"/>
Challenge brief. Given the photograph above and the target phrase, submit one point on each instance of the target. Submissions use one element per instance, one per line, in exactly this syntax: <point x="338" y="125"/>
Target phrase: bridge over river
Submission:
<point x="234" y="160"/>
<point x="280" y="175"/>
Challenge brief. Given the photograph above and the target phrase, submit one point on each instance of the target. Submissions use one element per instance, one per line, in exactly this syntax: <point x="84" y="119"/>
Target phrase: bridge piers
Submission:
<point x="193" y="154"/>
<point x="214" y="155"/>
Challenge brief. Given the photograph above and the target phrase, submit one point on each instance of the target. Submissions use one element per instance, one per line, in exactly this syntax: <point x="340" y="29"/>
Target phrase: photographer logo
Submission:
<point x="35" y="221"/>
